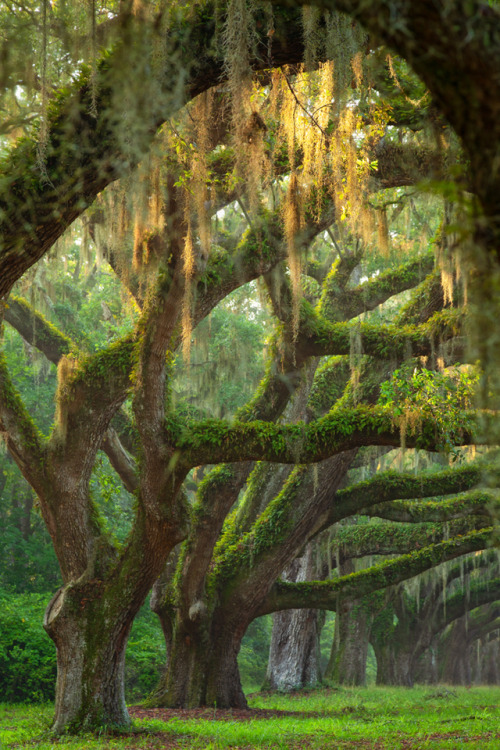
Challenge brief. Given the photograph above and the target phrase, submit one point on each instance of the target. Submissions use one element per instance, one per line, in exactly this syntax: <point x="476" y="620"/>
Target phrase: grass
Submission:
<point x="376" y="718"/>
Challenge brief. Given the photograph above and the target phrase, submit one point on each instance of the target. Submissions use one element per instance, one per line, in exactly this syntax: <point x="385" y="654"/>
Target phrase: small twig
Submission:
<point x="336" y="246"/>
<point x="247" y="217"/>
<point x="311" y="117"/>
<point x="323" y="106"/>
<point x="393" y="202"/>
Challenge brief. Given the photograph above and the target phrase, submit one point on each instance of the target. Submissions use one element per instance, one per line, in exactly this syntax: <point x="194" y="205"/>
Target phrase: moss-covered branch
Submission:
<point x="478" y="502"/>
<point x="86" y="151"/>
<point x="216" y="441"/>
<point x="375" y="291"/>
<point x="19" y="433"/>
<point x="90" y="392"/>
<point x="365" y="539"/>
<point x="387" y="486"/>
<point x="318" y="338"/>
<point x="36" y="330"/>
<point x="41" y="334"/>
<point x="328" y="594"/>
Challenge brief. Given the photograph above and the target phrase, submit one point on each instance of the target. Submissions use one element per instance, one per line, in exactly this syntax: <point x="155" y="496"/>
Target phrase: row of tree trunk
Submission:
<point x="428" y="646"/>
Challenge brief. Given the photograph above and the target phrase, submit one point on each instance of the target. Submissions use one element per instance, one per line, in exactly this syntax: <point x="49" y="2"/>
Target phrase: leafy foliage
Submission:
<point x="447" y="397"/>
<point x="27" y="655"/>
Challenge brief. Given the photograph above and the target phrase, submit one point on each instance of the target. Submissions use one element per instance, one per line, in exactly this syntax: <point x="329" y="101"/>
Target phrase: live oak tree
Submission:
<point x="419" y="619"/>
<point x="423" y="611"/>
<point x="49" y="180"/>
<point x="467" y="651"/>
<point x="454" y="48"/>
<point x="419" y="523"/>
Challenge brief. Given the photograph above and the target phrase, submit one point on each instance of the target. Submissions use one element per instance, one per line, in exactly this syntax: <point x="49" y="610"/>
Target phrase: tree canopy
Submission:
<point x="202" y="149"/>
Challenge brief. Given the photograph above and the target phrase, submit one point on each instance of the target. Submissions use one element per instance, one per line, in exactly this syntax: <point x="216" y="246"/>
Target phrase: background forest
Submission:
<point x="249" y="355"/>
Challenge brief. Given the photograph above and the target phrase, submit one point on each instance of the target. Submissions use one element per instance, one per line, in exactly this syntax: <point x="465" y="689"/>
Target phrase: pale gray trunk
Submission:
<point x="294" y="657"/>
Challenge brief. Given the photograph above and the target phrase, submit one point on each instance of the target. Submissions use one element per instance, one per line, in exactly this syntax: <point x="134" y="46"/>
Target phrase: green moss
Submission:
<point x="390" y="572"/>
<point x="115" y="360"/>
<point x="235" y="553"/>
<point x="44" y="331"/>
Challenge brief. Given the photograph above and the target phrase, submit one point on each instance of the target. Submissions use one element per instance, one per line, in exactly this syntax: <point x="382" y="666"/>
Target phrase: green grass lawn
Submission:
<point x="422" y="717"/>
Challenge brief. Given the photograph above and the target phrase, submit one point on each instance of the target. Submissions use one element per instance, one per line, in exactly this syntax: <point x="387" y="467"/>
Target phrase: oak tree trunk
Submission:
<point x="294" y="655"/>
<point x="456" y="663"/>
<point x="385" y="657"/>
<point x="491" y="660"/>
<point x="347" y="663"/>
<point x="91" y="635"/>
<point x="202" y="668"/>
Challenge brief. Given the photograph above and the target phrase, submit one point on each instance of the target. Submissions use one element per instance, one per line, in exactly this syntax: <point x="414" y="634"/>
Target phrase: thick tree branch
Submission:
<point x="18" y="431"/>
<point x="387" y="486"/>
<point x="36" y="330"/>
<point x="479" y="502"/>
<point x="214" y="441"/>
<point x="365" y="539"/>
<point x="370" y="294"/>
<point x="317" y="337"/>
<point x="328" y="594"/>
<point x="121" y="461"/>
<point x="84" y="153"/>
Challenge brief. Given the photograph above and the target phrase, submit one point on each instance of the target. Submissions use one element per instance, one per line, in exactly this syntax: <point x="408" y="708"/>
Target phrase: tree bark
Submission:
<point x="384" y="655"/>
<point x="491" y="660"/>
<point x="203" y="666"/>
<point x="294" y="656"/>
<point x="347" y="663"/>
<point x="91" y="647"/>
<point x="456" y="668"/>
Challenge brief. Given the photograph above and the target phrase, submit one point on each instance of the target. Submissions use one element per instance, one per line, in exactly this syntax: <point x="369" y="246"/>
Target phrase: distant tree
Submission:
<point x="399" y="644"/>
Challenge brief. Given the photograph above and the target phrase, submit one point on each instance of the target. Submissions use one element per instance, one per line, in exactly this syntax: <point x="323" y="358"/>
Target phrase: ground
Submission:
<point x="326" y="719"/>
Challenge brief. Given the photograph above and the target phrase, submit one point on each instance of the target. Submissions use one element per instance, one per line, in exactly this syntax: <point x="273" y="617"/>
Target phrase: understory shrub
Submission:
<point x="146" y="654"/>
<point x="27" y="655"/>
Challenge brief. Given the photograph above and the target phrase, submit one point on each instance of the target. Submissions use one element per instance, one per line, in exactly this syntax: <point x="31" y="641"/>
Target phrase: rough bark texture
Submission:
<point x="83" y="155"/>
<point x="90" y="661"/>
<point x="221" y="620"/>
<point x="349" y="652"/>
<point x="294" y="657"/>
<point x="456" y="668"/>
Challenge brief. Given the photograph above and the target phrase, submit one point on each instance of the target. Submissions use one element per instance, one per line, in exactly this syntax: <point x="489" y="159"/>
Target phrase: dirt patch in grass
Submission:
<point x="215" y="714"/>
<point x="457" y="737"/>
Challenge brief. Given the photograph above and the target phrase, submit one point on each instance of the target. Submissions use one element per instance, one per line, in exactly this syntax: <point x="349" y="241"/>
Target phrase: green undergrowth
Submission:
<point x="376" y="718"/>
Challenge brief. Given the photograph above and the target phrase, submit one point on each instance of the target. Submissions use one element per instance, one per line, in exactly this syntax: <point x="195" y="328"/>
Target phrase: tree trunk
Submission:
<point x="223" y="681"/>
<point x="347" y="663"/>
<point x="202" y="669"/>
<point x="426" y="668"/>
<point x="184" y="682"/>
<point x="404" y="663"/>
<point x="455" y="668"/>
<point x="395" y="665"/>
<point x="491" y="660"/>
<point x="294" y="655"/>
<point x="90" y="633"/>
<point x="385" y="663"/>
